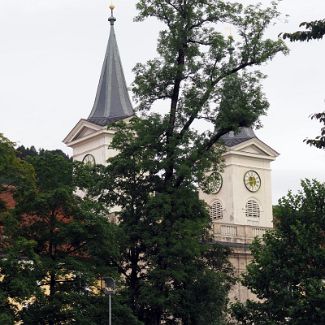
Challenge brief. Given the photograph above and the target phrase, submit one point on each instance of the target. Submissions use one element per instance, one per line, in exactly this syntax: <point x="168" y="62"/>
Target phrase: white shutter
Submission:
<point x="252" y="209"/>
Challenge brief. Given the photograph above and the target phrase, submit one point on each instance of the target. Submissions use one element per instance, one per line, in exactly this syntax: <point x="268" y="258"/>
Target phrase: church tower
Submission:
<point x="242" y="194"/>
<point x="240" y="201"/>
<point x="90" y="137"/>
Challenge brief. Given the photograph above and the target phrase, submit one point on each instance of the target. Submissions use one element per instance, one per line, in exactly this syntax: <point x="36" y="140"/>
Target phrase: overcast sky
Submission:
<point x="51" y="53"/>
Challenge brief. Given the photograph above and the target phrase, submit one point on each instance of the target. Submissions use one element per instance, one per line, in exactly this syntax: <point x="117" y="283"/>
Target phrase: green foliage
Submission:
<point x="241" y="101"/>
<point x="196" y="64"/>
<point x="23" y="152"/>
<point x="319" y="141"/>
<point x="314" y="30"/>
<point x="13" y="171"/>
<point x="53" y="169"/>
<point x="288" y="268"/>
<point x="167" y="260"/>
<point x="56" y="248"/>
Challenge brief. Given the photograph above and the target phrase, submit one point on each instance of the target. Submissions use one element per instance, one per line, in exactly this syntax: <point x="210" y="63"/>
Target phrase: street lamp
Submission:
<point x="109" y="290"/>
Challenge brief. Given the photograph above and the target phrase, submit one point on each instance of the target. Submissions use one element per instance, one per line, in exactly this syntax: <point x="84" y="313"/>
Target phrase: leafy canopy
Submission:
<point x="56" y="248"/>
<point x="288" y="268"/>
<point x="13" y="171"/>
<point x="168" y="258"/>
<point x="313" y="30"/>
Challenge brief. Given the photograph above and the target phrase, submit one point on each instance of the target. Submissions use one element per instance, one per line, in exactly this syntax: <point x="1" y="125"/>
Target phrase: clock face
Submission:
<point x="215" y="183"/>
<point x="89" y="160"/>
<point x="252" y="181"/>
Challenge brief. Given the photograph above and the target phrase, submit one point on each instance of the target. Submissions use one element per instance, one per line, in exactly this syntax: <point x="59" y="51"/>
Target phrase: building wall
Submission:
<point x="240" y="258"/>
<point x="238" y="238"/>
<point x="96" y="146"/>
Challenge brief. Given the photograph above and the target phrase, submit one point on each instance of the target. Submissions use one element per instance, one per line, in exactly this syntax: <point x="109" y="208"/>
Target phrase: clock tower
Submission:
<point x="244" y="194"/>
<point x="90" y="137"/>
<point x="240" y="201"/>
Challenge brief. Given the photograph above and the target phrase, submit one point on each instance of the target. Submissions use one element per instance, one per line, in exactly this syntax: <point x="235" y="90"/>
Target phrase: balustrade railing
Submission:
<point x="237" y="233"/>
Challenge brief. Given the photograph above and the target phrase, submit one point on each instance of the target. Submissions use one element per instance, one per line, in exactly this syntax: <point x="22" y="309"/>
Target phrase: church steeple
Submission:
<point x="112" y="102"/>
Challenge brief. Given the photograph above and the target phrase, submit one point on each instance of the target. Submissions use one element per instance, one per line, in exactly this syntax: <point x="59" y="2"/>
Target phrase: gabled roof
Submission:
<point x="112" y="102"/>
<point x="78" y="129"/>
<point x="245" y="142"/>
<point x="254" y="147"/>
<point x="84" y="131"/>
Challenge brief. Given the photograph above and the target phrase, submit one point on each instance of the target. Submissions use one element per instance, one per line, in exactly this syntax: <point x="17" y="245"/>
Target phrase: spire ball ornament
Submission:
<point x="112" y="19"/>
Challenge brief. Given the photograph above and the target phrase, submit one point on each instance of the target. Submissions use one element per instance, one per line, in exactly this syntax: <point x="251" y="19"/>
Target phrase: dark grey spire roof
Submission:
<point x="112" y="102"/>
<point x="231" y="138"/>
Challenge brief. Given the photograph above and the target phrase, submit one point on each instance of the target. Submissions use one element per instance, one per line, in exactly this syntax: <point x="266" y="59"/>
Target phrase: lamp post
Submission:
<point x="109" y="290"/>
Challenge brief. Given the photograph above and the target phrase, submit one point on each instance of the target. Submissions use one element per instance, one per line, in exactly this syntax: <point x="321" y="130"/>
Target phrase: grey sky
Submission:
<point x="51" y="53"/>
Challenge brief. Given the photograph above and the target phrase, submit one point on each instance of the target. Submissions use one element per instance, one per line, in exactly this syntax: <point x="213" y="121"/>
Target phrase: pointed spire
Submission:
<point x="112" y="102"/>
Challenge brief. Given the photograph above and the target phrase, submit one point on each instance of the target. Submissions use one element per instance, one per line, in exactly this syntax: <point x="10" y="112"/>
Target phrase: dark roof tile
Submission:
<point x="231" y="139"/>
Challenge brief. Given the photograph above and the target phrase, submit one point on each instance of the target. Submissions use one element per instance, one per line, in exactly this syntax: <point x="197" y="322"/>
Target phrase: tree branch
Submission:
<point x="199" y="152"/>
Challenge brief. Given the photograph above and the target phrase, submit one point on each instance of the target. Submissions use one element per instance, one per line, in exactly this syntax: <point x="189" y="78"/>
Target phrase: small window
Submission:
<point x="216" y="210"/>
<point x="252" y="209"/>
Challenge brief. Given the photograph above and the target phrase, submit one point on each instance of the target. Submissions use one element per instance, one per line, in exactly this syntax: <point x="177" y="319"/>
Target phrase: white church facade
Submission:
<point x="241" y="198"/>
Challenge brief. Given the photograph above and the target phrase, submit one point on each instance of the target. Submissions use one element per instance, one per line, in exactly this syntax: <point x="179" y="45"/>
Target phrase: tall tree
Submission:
<point x="168" y="255"/>
<point x="14" y="173"/>
<point x="172" y="269"/>
<point x="288" y="268"/>
<point x="56" y="247"/>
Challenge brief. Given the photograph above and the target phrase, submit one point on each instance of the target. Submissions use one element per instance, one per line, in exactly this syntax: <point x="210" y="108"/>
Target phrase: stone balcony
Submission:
<point x="236" y="234"/>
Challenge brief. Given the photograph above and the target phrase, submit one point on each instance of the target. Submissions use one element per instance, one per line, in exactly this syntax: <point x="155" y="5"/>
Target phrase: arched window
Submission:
<point x="216" y="210"/>
<point x="252" y="209"/>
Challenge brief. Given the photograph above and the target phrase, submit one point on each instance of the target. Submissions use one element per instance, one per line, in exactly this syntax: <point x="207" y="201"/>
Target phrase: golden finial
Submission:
<point x="112" y="19"/>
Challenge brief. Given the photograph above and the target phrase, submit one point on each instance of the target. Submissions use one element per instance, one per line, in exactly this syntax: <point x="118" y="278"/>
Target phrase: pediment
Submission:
<point x="84" y="132"/>
<point x="254" y="147"/>
<point x="82" y="129"/>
